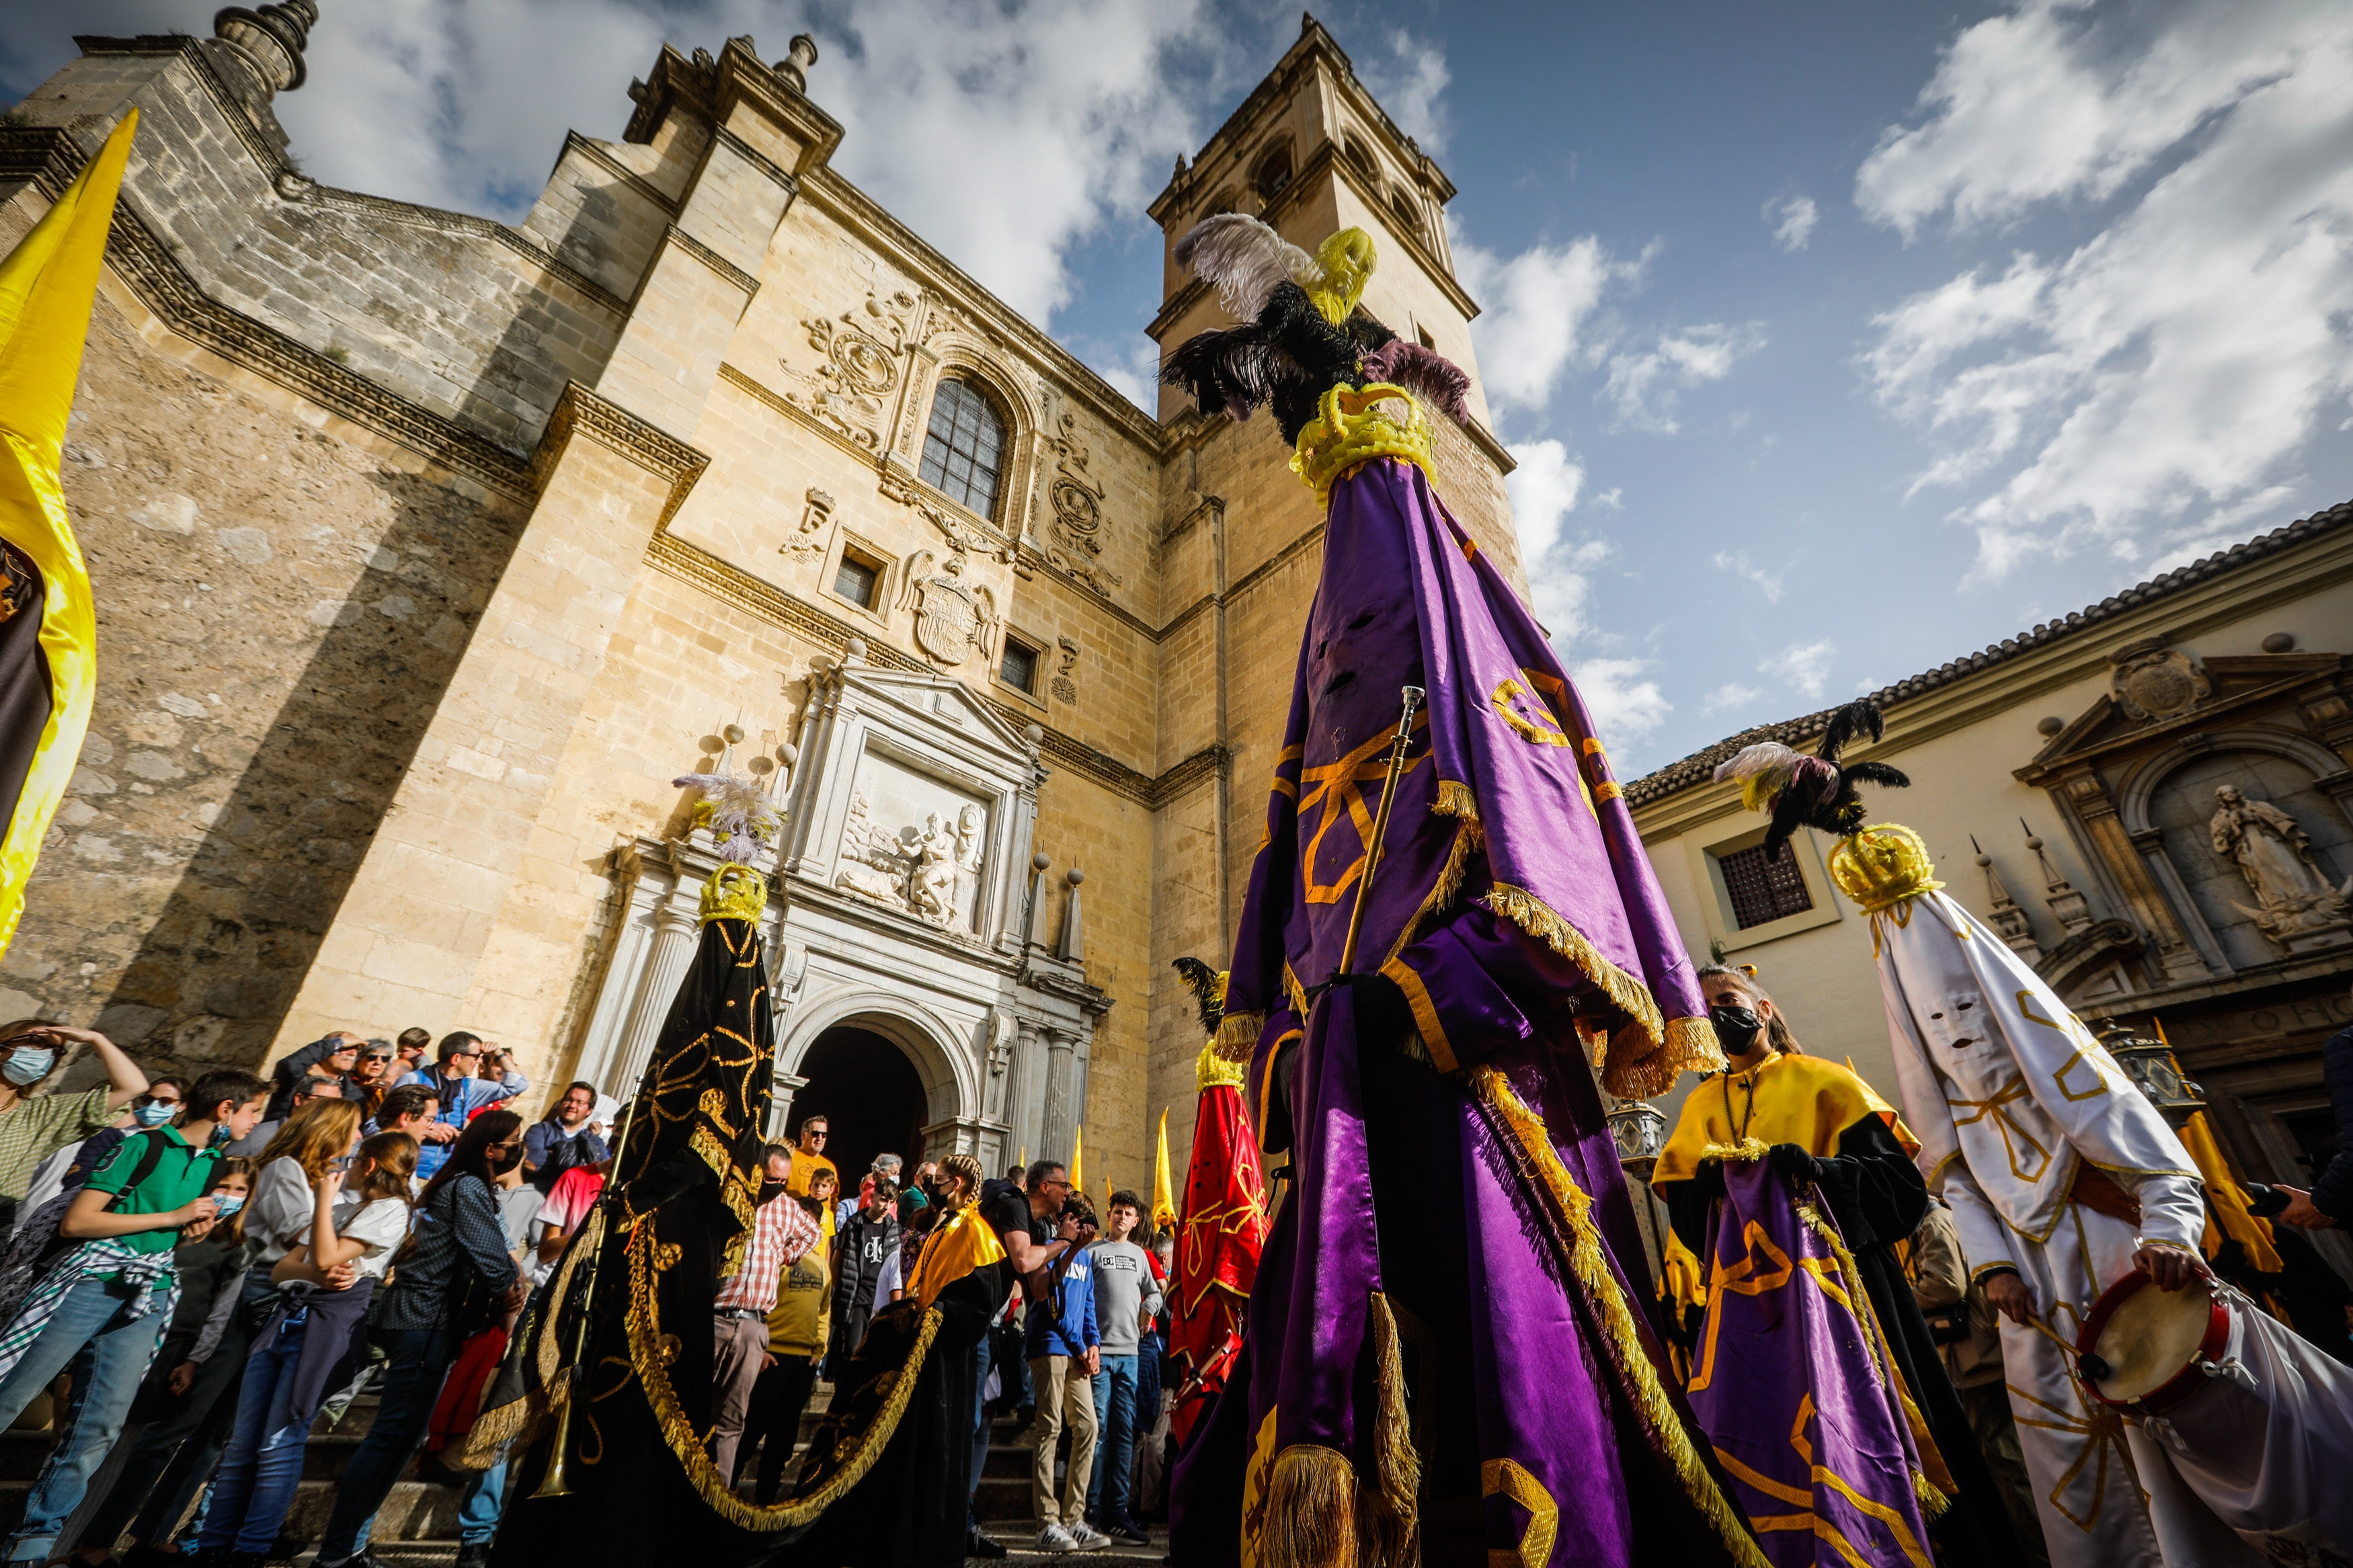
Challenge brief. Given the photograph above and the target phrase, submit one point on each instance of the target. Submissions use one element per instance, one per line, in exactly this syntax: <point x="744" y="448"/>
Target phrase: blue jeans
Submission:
<point x="479" y="1509"/>
<point x="91" y="1314"/>
<point x="263" y="1463"/>
<point x="1116" y="1454"/>
<point x="980" y="1432"/>
<point x="418" y="1359"/>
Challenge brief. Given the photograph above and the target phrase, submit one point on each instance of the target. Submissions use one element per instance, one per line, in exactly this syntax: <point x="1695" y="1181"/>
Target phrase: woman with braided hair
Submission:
<point x="1822" y="1128"/>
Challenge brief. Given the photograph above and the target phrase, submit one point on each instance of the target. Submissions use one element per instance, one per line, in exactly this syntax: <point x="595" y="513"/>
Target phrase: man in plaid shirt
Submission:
<point x="782" y="1230"/>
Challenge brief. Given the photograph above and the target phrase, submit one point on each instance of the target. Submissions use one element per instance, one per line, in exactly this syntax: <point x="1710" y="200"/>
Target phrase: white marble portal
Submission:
<point x="900" y="893"/>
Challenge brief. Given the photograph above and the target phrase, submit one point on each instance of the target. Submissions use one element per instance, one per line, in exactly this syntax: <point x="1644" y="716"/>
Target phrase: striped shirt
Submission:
<point x="39" y="1127"/>
<point x="781" y="1232"/>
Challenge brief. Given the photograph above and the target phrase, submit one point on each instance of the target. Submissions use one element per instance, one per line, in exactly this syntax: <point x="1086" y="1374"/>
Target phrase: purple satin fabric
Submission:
<point x="1775" y="1339"/>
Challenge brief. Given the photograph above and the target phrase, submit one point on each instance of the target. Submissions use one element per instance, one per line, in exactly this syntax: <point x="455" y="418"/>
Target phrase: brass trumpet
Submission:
<point x="552" y="1483"/>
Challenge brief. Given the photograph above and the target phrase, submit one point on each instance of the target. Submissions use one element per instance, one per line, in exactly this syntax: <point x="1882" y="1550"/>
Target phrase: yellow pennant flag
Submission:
<point x="1078" y="1161"/>
<point x="47" y="285"/>
<point x="1164" y="1191"/>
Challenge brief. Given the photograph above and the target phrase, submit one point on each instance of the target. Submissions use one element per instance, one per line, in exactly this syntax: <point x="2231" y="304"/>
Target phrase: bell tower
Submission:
<point x="1309" y="152"/>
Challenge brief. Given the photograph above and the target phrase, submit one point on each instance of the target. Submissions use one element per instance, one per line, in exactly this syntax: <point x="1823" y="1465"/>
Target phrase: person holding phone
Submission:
<point x="112" y="1290"/>
<point x="33" y="1127"/>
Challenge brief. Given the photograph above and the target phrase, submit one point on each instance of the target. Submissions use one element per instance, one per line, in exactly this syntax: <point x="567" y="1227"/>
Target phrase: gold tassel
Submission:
<point x="1238" y="1036"/>
<point x="1932" y="1501"/>
<point x="1620" y="1336"/>
<point x="1455" y="799"/>
<point x="1311" y="1510"/>
<point x="1744" y="1153"/>
<point x="1393" y="1536"/>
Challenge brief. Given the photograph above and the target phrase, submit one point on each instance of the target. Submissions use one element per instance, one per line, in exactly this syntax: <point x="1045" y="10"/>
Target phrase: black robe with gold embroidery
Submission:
<point x="679" y="1201"/>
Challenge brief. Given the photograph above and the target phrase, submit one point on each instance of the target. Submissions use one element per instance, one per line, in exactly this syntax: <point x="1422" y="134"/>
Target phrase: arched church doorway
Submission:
<point x="872" y="1098"/>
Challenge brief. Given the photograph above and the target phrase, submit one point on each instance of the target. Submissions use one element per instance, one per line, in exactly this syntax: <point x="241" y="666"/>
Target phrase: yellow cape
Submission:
<point x="47" y="287"/>
<point x="958" y="1245"/>
<point x="1804" y="1100"/>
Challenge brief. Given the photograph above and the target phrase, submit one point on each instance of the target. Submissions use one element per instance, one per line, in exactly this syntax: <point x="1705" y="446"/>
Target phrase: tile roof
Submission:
<point x="1698" y="768"/>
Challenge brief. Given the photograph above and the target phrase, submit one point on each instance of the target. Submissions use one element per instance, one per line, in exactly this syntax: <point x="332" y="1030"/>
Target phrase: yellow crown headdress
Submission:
<point x="735" y="892"/>
<point x="1881" y="866"/>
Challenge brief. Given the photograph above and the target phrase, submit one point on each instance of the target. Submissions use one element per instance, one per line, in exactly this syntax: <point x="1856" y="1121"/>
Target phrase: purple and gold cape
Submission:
<point x="1794" y="1383"/>
<point x="1450" y="1330"/>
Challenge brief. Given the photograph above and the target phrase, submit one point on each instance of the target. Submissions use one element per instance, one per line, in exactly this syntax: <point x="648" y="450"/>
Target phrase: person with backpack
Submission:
<point x="313" y="1340"/>
<point x="71" y="1166"/>
<point x="177" y="1440"/>
<point x="453" y="1278"/>
<point x="111" y="1290"/>
<point x="33" y="1127"/>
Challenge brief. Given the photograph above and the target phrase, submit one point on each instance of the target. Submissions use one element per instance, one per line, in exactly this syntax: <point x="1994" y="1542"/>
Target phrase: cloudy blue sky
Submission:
<point x="1834" y="339"/>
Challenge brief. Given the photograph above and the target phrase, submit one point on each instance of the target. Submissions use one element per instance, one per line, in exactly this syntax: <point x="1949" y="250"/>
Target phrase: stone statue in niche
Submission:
<point x="2299" y="908"/>
<point x="932" y="893"/>
<point x="967" y="854"/>
<point x="953" y="618"/>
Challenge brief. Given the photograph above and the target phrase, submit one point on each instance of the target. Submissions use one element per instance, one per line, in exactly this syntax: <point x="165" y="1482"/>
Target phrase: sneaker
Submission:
<point x="1129" y="1531"/>
<point x="1088" y="1538"/>
<point x="1054" y="1538"/>
<point x="986" y="1548"/>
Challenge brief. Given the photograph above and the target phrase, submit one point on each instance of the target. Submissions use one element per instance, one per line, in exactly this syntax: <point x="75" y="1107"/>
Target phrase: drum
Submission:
<point x="2143" y="1347"/>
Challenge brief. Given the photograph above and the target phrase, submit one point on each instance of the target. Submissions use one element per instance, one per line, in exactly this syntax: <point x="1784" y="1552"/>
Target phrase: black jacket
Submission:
<point x="865" y="1243"/>
<point x="2332" y="1191"/>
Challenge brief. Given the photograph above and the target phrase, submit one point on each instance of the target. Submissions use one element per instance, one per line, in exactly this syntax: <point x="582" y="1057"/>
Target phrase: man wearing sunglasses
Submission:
<point x="461" y="1093"/>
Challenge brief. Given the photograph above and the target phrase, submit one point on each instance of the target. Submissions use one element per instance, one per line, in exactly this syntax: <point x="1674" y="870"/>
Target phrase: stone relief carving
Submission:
<point x="2151" y="681"/>
<point x="814" y="517"/>
<point x="954" y="618"/>
<point x="1065" y="688"/>
<point x="1076" y="498"/>
<point x="2299" y="909"/>
<point x="862" y="361"/>
<point x="930" y="872"/>
<point x="961" y="538"/>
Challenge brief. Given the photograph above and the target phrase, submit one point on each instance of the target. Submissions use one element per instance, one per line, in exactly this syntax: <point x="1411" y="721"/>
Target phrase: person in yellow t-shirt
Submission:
<point x="808" y="1159"/>
<point x="797" y="1332"/>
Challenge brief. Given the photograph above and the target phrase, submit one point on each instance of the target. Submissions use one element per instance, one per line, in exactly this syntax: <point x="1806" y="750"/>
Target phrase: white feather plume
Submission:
<point x="1764" y="757"/>
<point x="738" y="813"/>
<point x="1244" y="259"/>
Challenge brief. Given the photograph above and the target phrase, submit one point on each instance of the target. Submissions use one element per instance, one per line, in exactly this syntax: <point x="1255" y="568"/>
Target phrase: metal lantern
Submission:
<point x="2153" y="1070"/>
<point x="1640" y="1133"/>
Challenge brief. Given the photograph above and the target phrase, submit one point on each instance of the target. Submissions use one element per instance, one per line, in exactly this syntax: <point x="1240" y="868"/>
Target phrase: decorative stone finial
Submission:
<point x="800" y="55"/>
<point x="270" y="41"/>
<point x="854" y="651"/>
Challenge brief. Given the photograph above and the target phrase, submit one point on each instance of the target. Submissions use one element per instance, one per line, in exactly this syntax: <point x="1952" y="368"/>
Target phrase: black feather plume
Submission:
<point x="1822" y="793"/>
<point x="1209" y="993"/>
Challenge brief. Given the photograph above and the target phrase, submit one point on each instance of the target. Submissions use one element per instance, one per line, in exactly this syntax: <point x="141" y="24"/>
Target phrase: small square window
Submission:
<point x="1764" y="889"/>
<point x="1019" y="669"/>
<point x="856" y="579"/>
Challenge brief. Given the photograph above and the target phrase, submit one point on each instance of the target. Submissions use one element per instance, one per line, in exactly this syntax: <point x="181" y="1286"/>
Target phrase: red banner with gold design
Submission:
<point x="1218" y="1240"/>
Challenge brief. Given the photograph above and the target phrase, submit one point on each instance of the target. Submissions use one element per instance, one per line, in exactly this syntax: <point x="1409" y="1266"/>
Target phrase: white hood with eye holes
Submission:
<point x="1993" y="1068"/>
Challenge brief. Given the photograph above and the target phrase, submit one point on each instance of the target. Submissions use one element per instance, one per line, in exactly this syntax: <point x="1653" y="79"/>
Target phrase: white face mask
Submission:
<point x="1954" y="1021"/>
<point x="28" y="1065"/>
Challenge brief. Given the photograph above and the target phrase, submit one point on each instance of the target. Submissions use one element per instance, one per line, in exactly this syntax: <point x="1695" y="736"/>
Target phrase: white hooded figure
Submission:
<point x="2044" y="1150"/>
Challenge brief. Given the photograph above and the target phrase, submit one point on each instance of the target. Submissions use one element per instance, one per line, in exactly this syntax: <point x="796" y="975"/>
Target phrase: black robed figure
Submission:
<point x="677" y="1207"/>
<point x="884" y="1486"/>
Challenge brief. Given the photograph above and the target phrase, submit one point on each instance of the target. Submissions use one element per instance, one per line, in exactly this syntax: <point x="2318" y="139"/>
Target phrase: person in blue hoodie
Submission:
<point x="1064" y="1348"/>
<point x="459" y="1084"/>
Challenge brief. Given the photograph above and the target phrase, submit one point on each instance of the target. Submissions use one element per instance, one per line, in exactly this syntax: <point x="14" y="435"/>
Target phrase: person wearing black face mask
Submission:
<point x="1824" y="1127"/>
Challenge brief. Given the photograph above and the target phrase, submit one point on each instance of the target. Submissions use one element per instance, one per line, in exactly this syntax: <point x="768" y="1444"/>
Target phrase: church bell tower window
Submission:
<point x="964" y="448"/>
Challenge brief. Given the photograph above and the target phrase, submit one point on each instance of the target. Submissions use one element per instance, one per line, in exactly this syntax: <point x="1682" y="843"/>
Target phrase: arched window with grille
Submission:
<point x="963" y="450"/>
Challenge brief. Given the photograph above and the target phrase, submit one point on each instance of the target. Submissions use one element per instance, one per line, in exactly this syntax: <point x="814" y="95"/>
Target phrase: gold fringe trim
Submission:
<point x="494" y="1428"/>
<point x="653" y="1373"/>
<point x="1620" y="1334"/>
<point x="1454" y="800"/>
<point x="1874" y="1335"/>
<point x="1932" y="1501"/>
<point x="1393" y="1538"/>
<point x="1292" y="988"/>
<point x="1237" y="1036"/>
<point x="1311" y="1510"/>
<point x="1626" y="1078"/>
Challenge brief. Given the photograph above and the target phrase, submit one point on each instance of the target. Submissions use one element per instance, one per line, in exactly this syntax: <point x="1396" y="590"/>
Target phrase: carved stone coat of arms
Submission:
<point x="953" y="617"/>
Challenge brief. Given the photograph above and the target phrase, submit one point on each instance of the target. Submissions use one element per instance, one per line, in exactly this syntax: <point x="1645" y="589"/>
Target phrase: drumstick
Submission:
<point x="2092" y="1366"/>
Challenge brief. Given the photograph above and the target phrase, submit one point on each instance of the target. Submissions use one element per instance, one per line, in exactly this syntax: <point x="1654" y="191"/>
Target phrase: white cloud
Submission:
<point x="1737" y="562"/>
<point x="1536" y="308"/>
<point x="1064" y="114"/>
<point x="1625" y="706"/>
<point x="1614" y="498"/>
<point x="1560" y="587"/>
<point x="1730" y="695"/>
<point x="1408" y="83"/>
<point x="1805" y="665"/>
<point x="2148" y="392"/>
<point x="1793" y="221"/>
<point x="1648" y="387"/>
<point x="1543" y="490"/>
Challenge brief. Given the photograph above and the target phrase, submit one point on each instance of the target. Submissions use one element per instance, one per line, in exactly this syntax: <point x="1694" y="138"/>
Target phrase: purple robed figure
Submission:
<point x="1789" y="1334"/>
<point x="1450" y="1343"/>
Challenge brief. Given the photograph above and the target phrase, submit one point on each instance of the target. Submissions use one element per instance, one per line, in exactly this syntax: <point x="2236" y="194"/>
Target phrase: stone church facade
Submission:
<point x="429" y="550"/>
